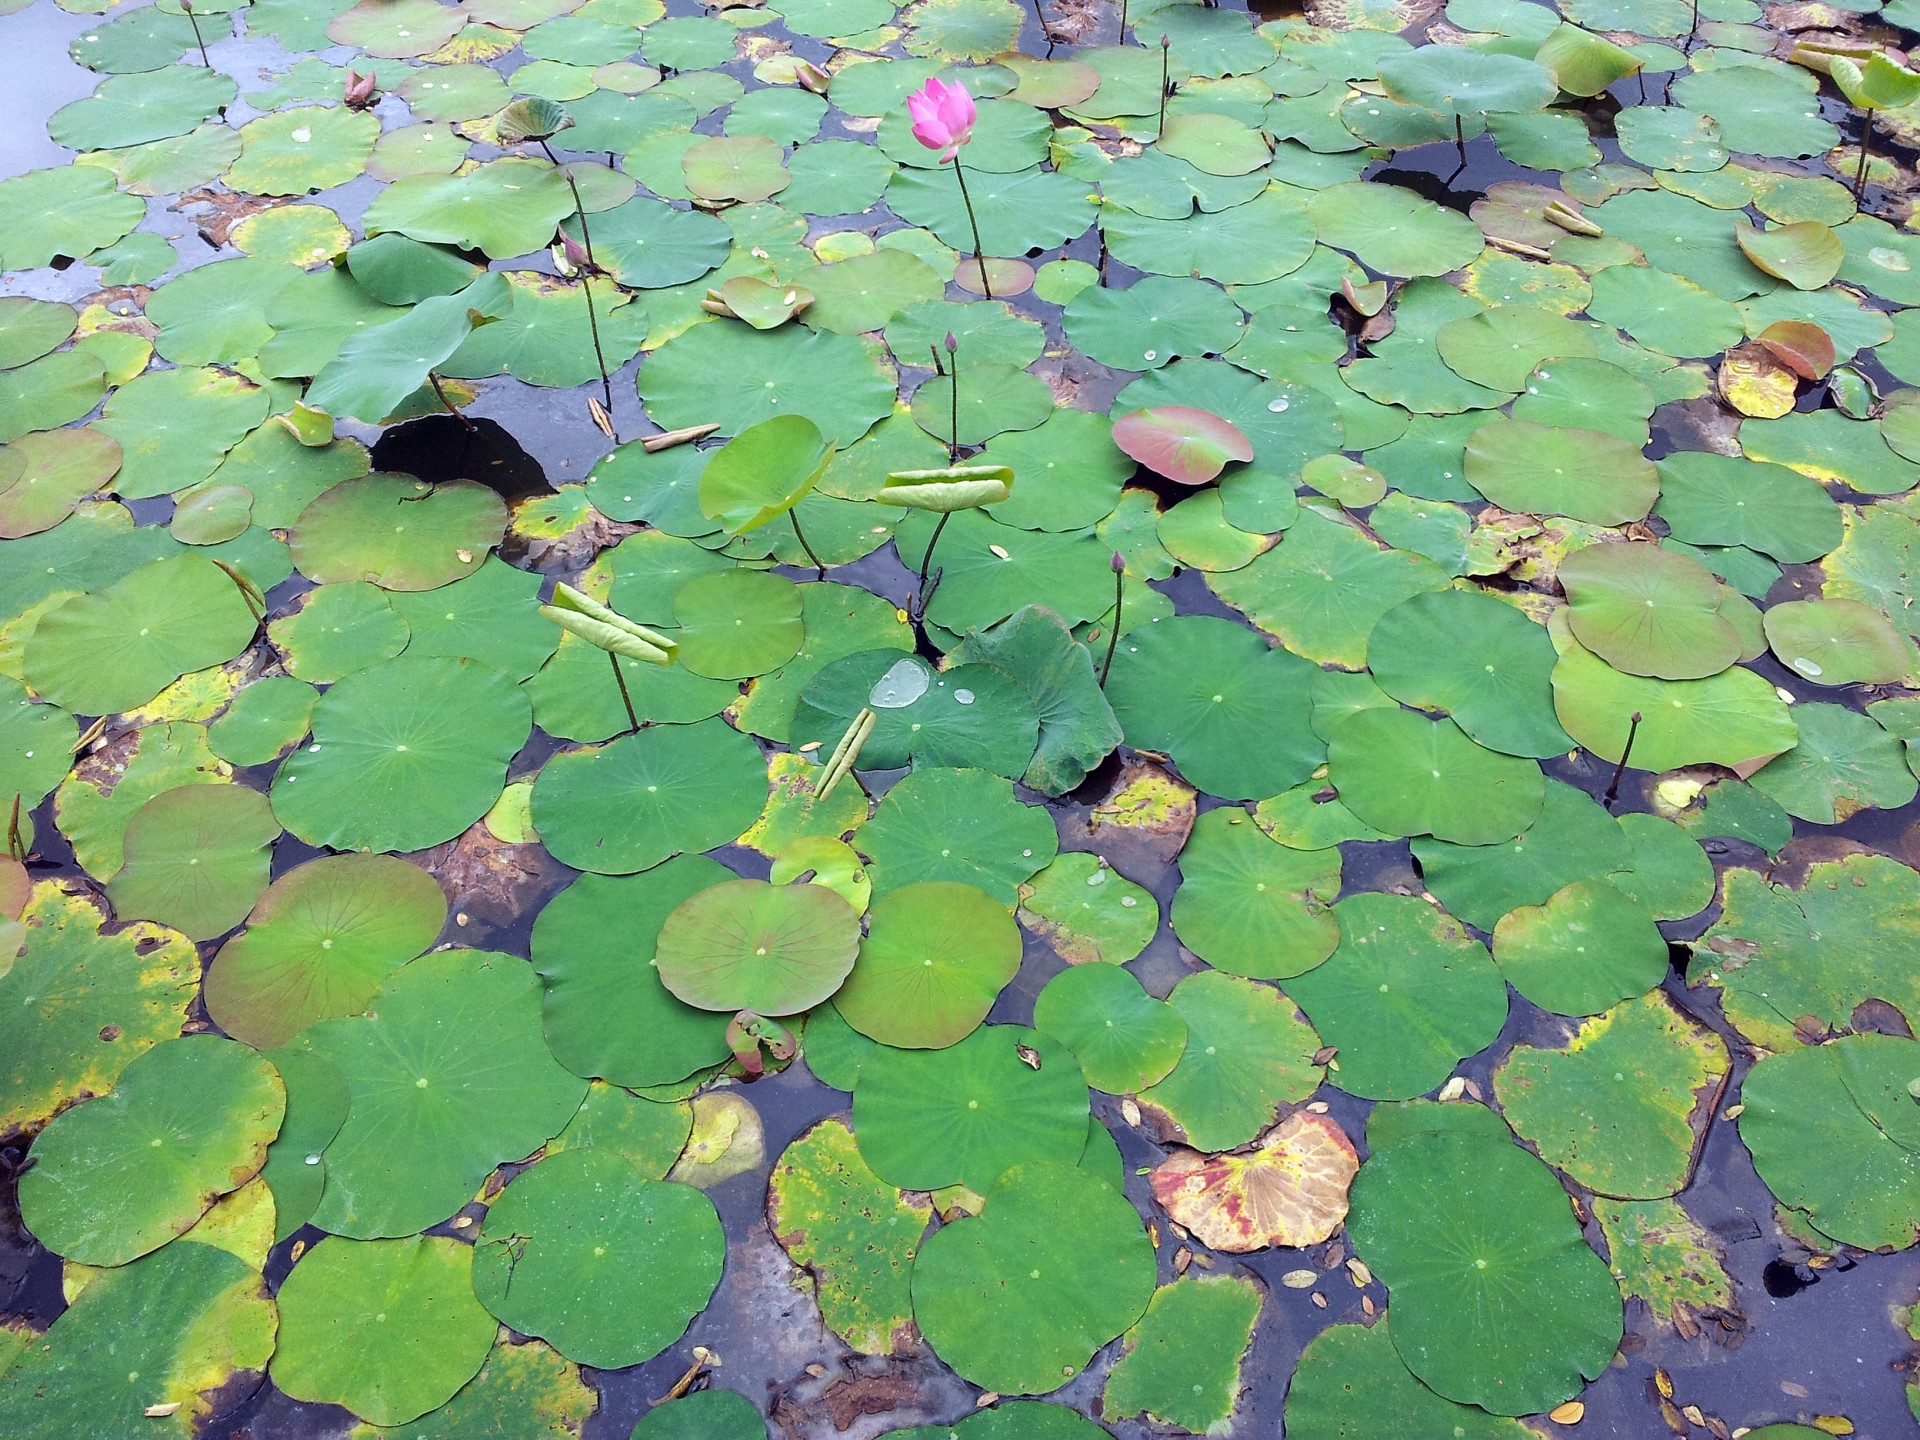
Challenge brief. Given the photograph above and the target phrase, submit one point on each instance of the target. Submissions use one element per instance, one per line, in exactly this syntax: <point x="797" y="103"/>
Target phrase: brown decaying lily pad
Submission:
<point x="1290" y="1189"/>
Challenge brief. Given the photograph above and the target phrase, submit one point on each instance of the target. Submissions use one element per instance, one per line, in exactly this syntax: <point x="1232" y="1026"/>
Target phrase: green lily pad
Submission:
<point x="296" y="1170"/>
<point x="1406" y="775"/>
<point x="1587" y="947"/>
<point x="1249" y="906"/>
<point x="736" y="624"/>
<point x="1709" y="499"/>
<point x="1394" y="231"/>
<point x="606" y="1266"/>
<point x="523" y="1392"/>
<point x="175" y="425"/>
<point x="405" y="754"/>
<point x="437" y="1334"/>
<point x="1838" y="642"/>
<point x="1078" y="728"/>
<point x="1842" y="763"/>
<point x="545" y="337"/>
<point x="1019" y="1297"/>
<point x="338" y="629"/>
<point x="1247" y="1053"/>
<point x="36" y="749"/>
<point x="377" y="370"/>
<point x="63" y="211"/>
<point x="306" y="148"/>
<point x="359" y="530"/>
<point x="1573" y="839"/>
<point x="737" y="376"/>
<point x="1184" y="1367"/>
<point x="1406" y="996"/>
<point x="935" y="957"/>
<point x="1124" y="1039"/>
<point x="58" y="469"/>
<point x="1089" y="912"/>
<point x="1152" y="322"/>
<point x="1648" y="611"/>
<point x="1350" y="1379"/>
<point x="1832" y="1130"/>
<point x="196" y="859"/>
<point x="1665" y="312"/>
<point x="409" y="1155"/>
<point x="148" y="105"/>
<point x="503" y="207"/>
<point x="319" y="944"/>
<point x="1586" y="474"/>
<point x="1261" y="239"/>
<point x="751" y="945"/>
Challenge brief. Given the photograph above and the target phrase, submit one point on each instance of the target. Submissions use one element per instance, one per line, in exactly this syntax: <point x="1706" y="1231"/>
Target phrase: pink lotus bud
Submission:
<point x="952" y="344"/>
<point x="575" y="252"/>
<point x="360" y="90"/>
<point x="943" y="116"/>
<point x="1119" y="563"/>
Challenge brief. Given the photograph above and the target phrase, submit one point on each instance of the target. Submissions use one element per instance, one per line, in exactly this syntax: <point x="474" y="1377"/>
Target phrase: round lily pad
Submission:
<point x="962" y="825"/>
<point x="606" y="1266"/>
<point x="1648" y="611"/>
<point x="737" y="376"/>
<point x="968" y="715"/>
<point x="1019" y="1297"/>
<point x="1405" y="775"/>
<point x="1350" y="1378"/>
<point x="186" y="1122"/>
<point x="703" y="1415"/>
<point x="1589" y="475"/>
<point x="970" y="1112"/>
<point x="1838" y="642"/>
<point x="1247" y="1053"/>
<point x="196" y="859"/>
<point x="736" y="624"/>
<point x="404" y="754"/>
<point x="338" y="629"/>
<point x="630" y="804"/>
<point x="1124" y="1039"/>
<point x="397" y="532"/>
<point x="1587" y="947"/>
<point x="1249" y="906"/>
<point x="1394" y="231"/>
<point x="935" y="957"/>
<point x="419" y="1291"/>
<point x="751" y="945"/>
<point x="1088" y="911"/>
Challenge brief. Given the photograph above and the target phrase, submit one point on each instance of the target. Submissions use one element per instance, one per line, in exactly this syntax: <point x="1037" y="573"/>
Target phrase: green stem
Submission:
<point x="800" y="535"/>
<point x="625" y="698"/>
<point x="953" y="388"/>
<point x="979" y="255"/>
<point x="1113" y="640"/>
<point x="920" y="596"/>
<point x="1860" y="175"/>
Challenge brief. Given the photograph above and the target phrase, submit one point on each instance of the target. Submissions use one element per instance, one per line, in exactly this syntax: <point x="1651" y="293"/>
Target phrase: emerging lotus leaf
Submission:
<point x="532" y="117"/>
<point x="599" y="625"/>
<point x="956" y="487"/>
<point x="1880" y="84"/>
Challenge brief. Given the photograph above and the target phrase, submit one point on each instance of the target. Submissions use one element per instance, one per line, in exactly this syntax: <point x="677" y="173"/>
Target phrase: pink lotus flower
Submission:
<point x="943" y="117"/>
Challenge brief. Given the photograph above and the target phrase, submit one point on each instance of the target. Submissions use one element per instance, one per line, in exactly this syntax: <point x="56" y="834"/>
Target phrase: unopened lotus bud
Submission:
<point x="1119" y="563"/>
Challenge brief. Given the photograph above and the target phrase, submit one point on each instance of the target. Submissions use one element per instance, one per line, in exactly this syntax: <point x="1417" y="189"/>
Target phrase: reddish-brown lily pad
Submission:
<point x="1187" y="445"/>
<point x="1290" y="1190"/>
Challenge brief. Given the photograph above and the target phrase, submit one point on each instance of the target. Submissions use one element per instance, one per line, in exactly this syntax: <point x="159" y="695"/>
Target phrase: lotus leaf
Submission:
<point x="196" y="859"/>
<point x="1124" y="1039"/>
<point x="1249" y="906"/>
<point x="1405" y="775"/>
<point x="935" y="957"/>
<point x="1350" y="1378"/>
<point x="1586" y="474"/>
<point x="1588" y="946"/>
<point x="1184" y="1365"/>
<point x="504" y="207"/>
<point x="1648" y="611"/>
<point x="751" y="945"/>
<point x="1088" y="911"/>
<point x="738" y="377"/>
<point x="1290" y="1190"/>
<point x="1247" y="1053"/>
<point x="1843" y="762"/>
<point x="307" y="148"/>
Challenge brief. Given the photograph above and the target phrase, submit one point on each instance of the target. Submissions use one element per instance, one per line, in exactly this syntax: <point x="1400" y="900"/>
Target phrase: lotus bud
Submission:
<point x="576" y="253"/>
<point x="361" y="90"/>
<point x="811" y="77"/>
<point x="952" y="344"/>
<point x="1119" y="563"/>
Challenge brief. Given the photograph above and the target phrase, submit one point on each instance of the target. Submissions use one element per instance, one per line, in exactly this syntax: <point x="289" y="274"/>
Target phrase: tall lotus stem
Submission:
<point x="922" y="596"/>
<point x="1866" y="140"/>
<point x="451" y="408"/>
<point x="586" y="274"/>
<point x="1613" y="786"/>
<point x="194" y="20"/>
<point x="979" y="254"/>
<point x="1460" y="138"/>
<point x="820" y="570"/>
<point x="633" y="720"/>
<point x="1123" y="22"/>
<point x="1113" y="640"/>
<point x="16" y="845"/>
<point x="1166" y="55"/>
<point x="953" y="390"/>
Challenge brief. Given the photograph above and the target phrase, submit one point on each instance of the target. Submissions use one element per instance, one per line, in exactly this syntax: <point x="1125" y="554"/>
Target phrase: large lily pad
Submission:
<point x="752" y="945"/>
<point x="935" y="957"/>
<point x="1247" y="1053"/>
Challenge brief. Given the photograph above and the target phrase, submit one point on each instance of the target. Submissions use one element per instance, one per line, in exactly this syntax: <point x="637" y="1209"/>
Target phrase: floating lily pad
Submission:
<point x="737" y="376"/>
<point x="1247" y="1053"/>
<point x="1843" y="762"/>
<point x="1249" y="906"/>
<point x="196" y="859"/>
<point x="935" y="957"/>
<point x="1405" y="775"/>
<point x="751" y="945"/>
<point x="1290" y="1190"/>
<point x="1838" y="642"/>
<point x="359" y="530"/>
<point x="1088" y="911"/>
<point x="962" y="825"/>
<point x="1648" y="611"/>
<point x="1587" y="947"/>
<point x="1350" y="1378"/>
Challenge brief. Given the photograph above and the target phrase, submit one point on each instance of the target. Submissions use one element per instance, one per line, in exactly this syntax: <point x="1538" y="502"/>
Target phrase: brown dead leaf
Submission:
<point x="1290" y="1190"/>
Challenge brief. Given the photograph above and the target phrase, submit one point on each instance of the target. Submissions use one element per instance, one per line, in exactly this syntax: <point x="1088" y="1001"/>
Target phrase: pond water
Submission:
<point x="1432" y="401"/>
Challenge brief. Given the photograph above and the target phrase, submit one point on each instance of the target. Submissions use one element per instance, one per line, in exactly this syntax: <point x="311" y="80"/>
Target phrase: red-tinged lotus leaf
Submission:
<point x="1800" y="345"/>
<point x="1188" y="446"/>
<point x="1290" y="1190"/>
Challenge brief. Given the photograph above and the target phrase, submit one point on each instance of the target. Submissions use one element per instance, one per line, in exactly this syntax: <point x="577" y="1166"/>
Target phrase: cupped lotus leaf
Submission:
<point x="398" y="532"/>
<point x="503" y="207"/>
<point x="1709" y="499"/>
<point x="57" y="470"/>
<point x="855" y="1234"/>
<point x="1496" y="1300"/>
<point x="763" y="472"/>
<point x="1843" y="762"/>
<point x="1623" y="1106"/>
<point x="1088" y="911"/>
<point x="1197" y="687"/>
<point x="626" y="806"/>
<point x="736" y="376"/>
<point x="1250" y="906"/>
<point x="1573" y="839"/>
<point x="1323" y="591"/>
<point x="1290" y="1190"/>
<point x="319" y="944"/>
<point x="1806" y="254"/>
<point x="969" y="1112"/>
<point x="378" y="369"/>
<point x="1187" y="445"/>
<point x="1395" y="231"/>
<point x="1406" y="775"/>
<point x="1834" y="1133"/>
<point x="604" y="1009"/>
<point x="181" y="1332"/>
<point x="419" y="1290"/>
<point x="1583" y="63"/>
<point x="1479" y="660"/>
<point x="1882" y="83"/>
<point x="1124" y="1039"/>
<point x="1406" y="996"/>
<point x="606" y="1266"/>
<point x="80" y="1005"/>
<point x="935" y="957"/>
<point x="409" y="1155"/>
<point x="1586" y="474"/>
<point x="118" y="647"/>
<point x="196" y="859"/>
<point x="1648" y="611"/>
<point x="1587" y="947"/>
<point x="147" y="105"/>
<point x="1350" y="1380"/>
<point x="1247" y="1054"/>
<point x="1838" y="642"/>
<point x="310" y="147"/>
<point x="186" y="1123"/>
<point x="63" y="211"/>
<point x="1019" y="1297"/>
<point x="405" y="754"/>
<point x="751" y="945"/>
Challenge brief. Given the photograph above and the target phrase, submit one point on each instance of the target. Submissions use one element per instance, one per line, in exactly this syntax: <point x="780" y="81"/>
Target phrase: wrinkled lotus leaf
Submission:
<point x="120" y="646"/>
<point x="196" y="859"/>
<point x="1406" y="996"/>
<point x="604" y="1265"/>
<point x="1124" y="1039"/>
<point x="418" y="1290"/>
<point x="405" y="754"/>
<point x="1405" y="775"/>
<point x="966" y="1114"/>
<point x="1249" y="906"/>
<point x="184" y="1331"/>
<point x="1289" y="1190"/>
<point x="935" y="957"/>
<point x="1019" y="1297"/>
<point x="1197" y="688"/>
<point x="1587" y="947"/>
<point x="1078" y="728"/>
<point x="409" y="1155"/>
<point x="628" y="805"/>
<point x="751" y="945"/>
<point x="1833" y="1132"/>
<point x="1496" y="1299"/>
<point x="855" y="1234"/>
<point x="1247" y="1053"/>
<point x="122" y="1175"/>
<point x="319" y="944"/>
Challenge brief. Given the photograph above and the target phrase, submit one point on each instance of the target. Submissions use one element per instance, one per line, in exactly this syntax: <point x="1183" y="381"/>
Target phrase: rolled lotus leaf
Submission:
<point x="533" y="117"/>
<point x="582" y="615"/>
<point x="957" y="487"/>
